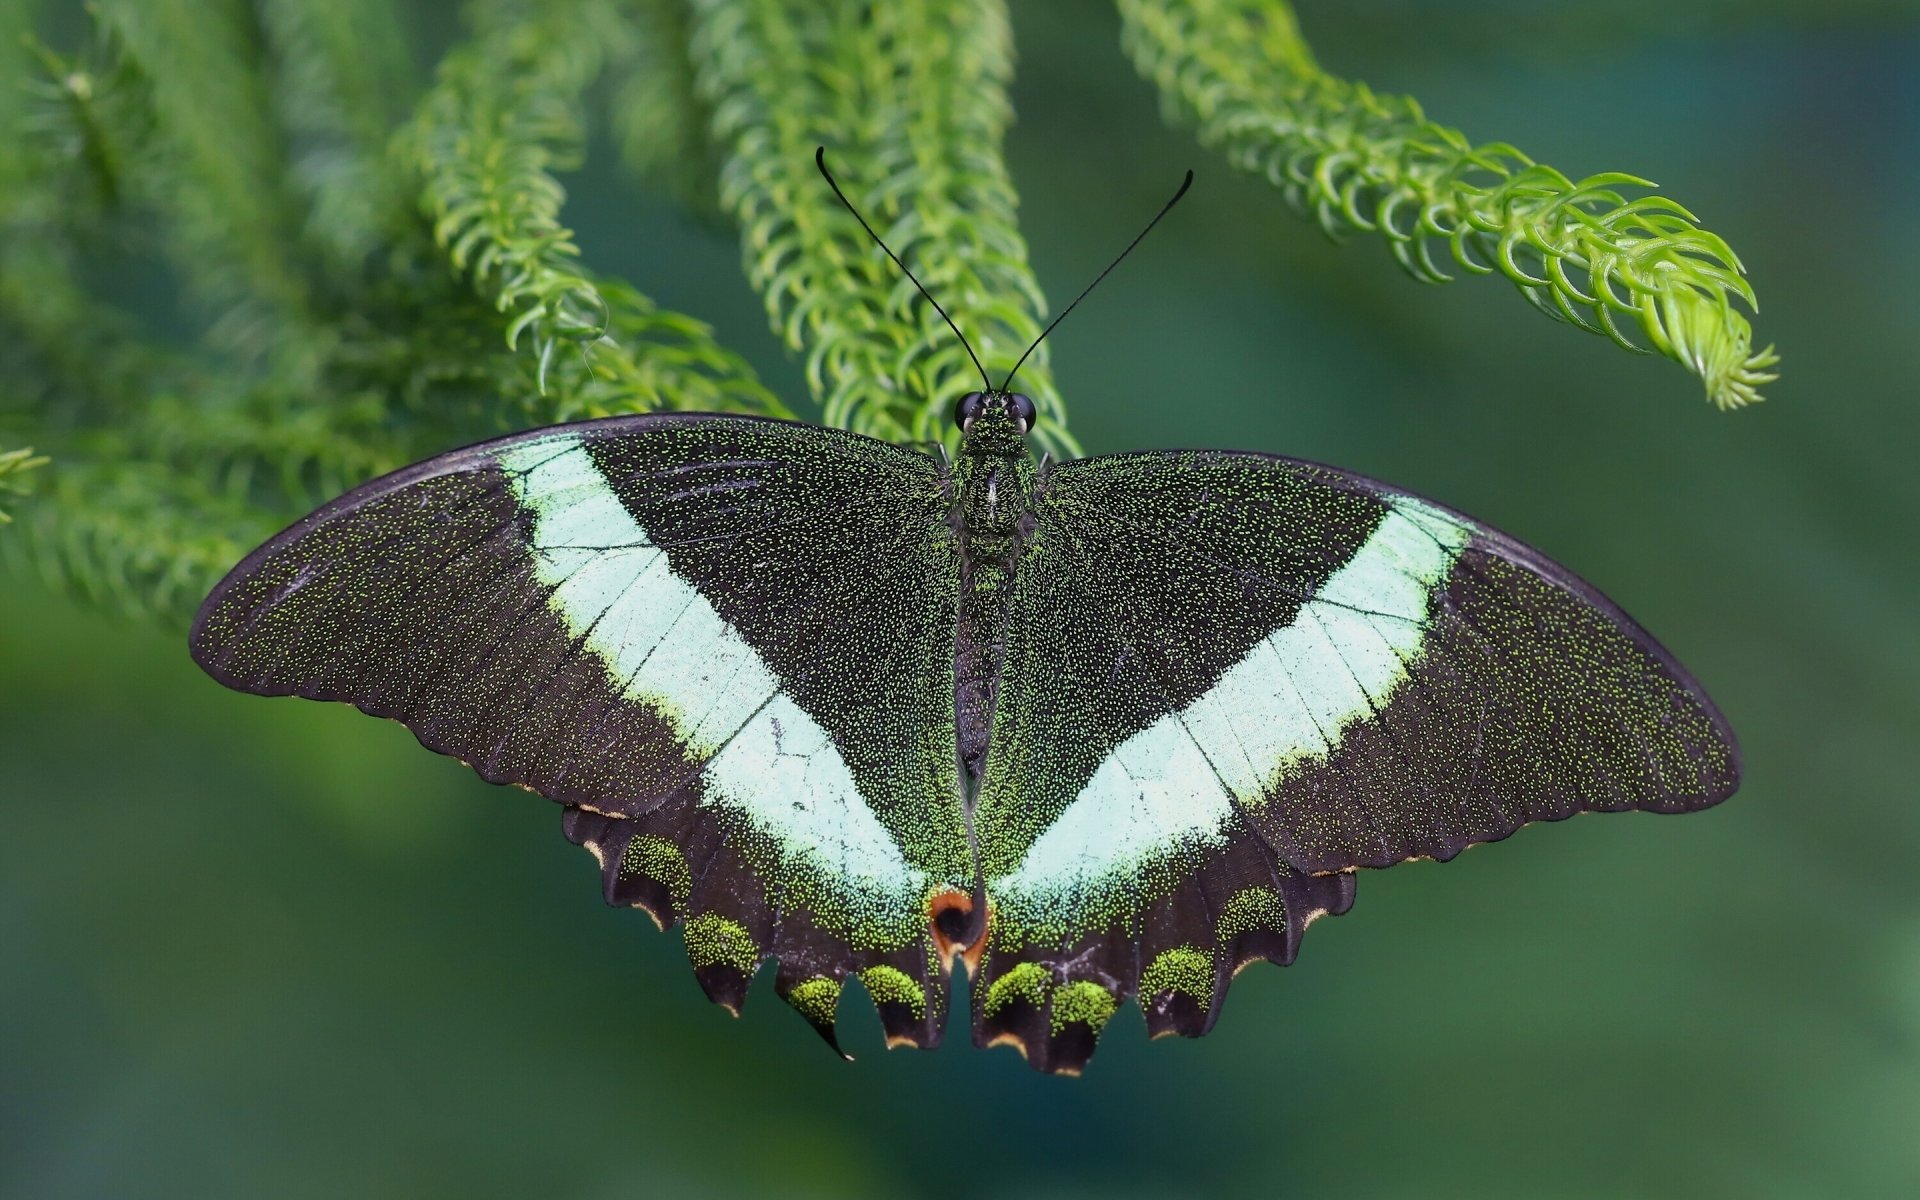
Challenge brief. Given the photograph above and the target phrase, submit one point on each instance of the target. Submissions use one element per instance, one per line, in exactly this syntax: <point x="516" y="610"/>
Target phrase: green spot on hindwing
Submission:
<point x="1252" y="909"/>
<point x="891" y="985"/>
<point x="1083" y="1001"/>
<point x="816" y="999"/>
<point x="713" y="940"/>
<point x="1027" y="981"/>
<point x="1184" y="969"/>
<point x="658" y="859"/>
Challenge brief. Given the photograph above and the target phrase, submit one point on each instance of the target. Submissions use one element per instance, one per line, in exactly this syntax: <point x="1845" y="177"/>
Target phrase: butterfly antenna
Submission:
<point x="1164" y="210"/>
<point x="820" y="160"/>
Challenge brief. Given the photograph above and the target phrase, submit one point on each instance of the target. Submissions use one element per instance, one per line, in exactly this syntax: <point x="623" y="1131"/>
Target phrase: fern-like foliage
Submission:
<point x="663" y="125"/>
<point x="373" y="262"/>
<point x="343" y="81"/>
<point x="14" y="465"/>
<point x="360" y="306"/>
<point x="147" y="541"/>
<point x="506" y="114"/>
<point x="82" y="126"/>
<point x="1583" y="251"/>
<point x="219" y="175"/>
<point x="909" y="97"/>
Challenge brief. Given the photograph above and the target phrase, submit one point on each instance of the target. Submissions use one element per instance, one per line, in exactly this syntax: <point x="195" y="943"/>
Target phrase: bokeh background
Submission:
<point x="274" y="949"/>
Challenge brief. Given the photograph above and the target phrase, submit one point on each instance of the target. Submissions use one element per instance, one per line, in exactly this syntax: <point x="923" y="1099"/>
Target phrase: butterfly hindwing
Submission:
<point x="1048" y="983"/>
<point x="725" y="644"/>
<point x="1231" y="677"/>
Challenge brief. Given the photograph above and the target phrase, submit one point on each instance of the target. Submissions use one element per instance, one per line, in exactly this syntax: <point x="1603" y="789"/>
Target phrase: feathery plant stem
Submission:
<point x="14" y="465"/>
<point x="81" y="131"/>
<point x="909" y="97"/>
<point x="342" y="82"/>
<point x="136" y="537"/>
<point x="1581" y="251"/>
<point x="660" y="121"/>
<point x="504" y="114"/>
<point x="229" y="213"/>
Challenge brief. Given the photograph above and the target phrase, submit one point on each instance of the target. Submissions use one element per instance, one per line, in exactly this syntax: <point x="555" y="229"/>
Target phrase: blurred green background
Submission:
<point x="275" y="949"/>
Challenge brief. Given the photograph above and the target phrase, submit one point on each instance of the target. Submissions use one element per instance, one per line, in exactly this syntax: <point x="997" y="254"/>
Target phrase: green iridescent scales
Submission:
<point x="1098" y="731"/>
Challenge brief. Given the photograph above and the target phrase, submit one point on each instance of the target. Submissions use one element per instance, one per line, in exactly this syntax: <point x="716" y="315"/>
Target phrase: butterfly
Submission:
<point x="1095" y="731"/>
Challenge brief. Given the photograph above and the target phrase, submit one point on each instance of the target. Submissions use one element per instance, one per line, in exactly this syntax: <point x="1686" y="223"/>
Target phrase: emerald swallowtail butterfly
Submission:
<point x="1100" y="730"/>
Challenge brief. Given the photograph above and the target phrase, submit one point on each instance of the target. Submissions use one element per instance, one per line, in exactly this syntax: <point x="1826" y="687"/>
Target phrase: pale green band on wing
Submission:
<point x="664" y="646"/>
<point x="1172" y="788"/>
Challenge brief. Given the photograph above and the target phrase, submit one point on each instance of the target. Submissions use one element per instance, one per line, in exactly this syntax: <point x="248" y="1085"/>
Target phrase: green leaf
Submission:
<point x="143" y="540"/>
<point x="659" y="119"/>
<point x="381" y="271"/>
<point x="344" y="79"/>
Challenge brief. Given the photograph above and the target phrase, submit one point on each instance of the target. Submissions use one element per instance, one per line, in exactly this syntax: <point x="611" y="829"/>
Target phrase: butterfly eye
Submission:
<point x="970" y="407"/>
<point x="1024" y="411"/>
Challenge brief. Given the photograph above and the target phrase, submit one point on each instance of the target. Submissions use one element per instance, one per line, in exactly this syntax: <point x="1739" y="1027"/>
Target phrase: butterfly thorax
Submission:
<point x="992" y="519"/>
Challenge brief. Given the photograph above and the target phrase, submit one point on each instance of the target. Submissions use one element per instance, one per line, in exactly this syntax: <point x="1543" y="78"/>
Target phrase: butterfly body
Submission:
<point x="993" y="486"/>
<point x="1094" y="731"/>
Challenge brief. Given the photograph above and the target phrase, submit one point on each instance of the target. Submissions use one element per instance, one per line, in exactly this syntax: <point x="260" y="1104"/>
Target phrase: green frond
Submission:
<point x="229" y="217"/>
<point x="14" y="465"/>
<point x="391" y="275"/>
<point x="1587" y="251"/>
<point x="252" y="442"/>
<point x="659" y="119"/>
<point x="504" y="114"/>
<point x="67" y="353"/>
<point x="909" y="97"/>
<point x="78" y="133"/>
<point x="342" y="81"/>
<point x="90" y="113"/>
<point x="45" y="316"/>
<point x="18" y="19"/>
<point x="135" y="537"/>
<point x="649" y="359"/>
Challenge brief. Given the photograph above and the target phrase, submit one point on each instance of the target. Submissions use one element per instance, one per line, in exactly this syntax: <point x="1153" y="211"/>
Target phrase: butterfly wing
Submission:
<point x="724" y="644"/>
<point x="1231" y="678"/>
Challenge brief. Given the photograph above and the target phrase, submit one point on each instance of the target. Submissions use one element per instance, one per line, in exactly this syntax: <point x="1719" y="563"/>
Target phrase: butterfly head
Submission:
<point x="996" y="421"/>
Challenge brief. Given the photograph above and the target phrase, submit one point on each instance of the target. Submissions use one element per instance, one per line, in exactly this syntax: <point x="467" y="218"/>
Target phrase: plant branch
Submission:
<point x="230" y="218"/>
<point x="132" y="536"/>
<point x="14" y="465"/>
<point x="659" y="119"/>
<point x="1588" y="252"/>
<point x="503" y="116"/>
<point x="342" y="81"/>
<point x="909" y="97"/>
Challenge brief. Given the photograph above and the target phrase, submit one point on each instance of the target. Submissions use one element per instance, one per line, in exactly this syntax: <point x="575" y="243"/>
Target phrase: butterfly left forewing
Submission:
<point x="1232" y="675"/>
<point x="1442" y="685"/>
<point x="725" y="644"/>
